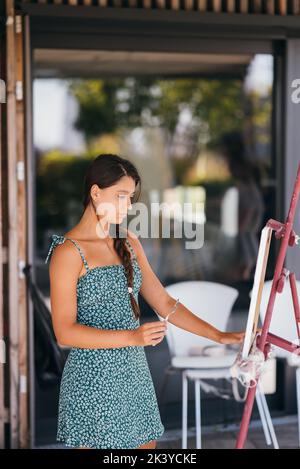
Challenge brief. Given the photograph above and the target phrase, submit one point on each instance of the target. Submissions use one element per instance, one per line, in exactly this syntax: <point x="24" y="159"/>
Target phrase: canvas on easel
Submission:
<point x="259" y="278"/>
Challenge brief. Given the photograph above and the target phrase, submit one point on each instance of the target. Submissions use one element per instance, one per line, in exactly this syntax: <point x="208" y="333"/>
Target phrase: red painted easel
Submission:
<point x="284" y="232"/>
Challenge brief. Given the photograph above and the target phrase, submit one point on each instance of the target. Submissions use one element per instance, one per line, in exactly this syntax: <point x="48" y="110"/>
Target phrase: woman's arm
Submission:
<point x="160" y="300"/>
<point x="64" y="270"/>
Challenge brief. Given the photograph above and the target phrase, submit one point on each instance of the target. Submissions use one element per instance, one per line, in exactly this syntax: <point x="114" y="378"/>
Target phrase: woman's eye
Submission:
<point x="123" y="197"/>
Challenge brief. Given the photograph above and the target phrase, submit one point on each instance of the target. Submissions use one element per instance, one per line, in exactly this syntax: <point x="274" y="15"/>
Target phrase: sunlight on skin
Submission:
<point x="150" y="445"/>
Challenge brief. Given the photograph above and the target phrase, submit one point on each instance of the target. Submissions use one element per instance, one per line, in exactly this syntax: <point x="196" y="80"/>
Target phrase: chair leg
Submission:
<point x="298" y="400"/>
<point x="268" y="416"/>
<point x="184" y="409"/>
<point x="198" y="413"/>
<point x="263" y="418"/>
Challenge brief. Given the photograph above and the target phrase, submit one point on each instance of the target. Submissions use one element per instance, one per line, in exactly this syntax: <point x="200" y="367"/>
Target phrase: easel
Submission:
<point x="284" y="232"/>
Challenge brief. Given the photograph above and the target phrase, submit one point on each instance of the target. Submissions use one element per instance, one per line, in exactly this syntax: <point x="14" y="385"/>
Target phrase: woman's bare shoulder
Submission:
<point x="65" y="259"/>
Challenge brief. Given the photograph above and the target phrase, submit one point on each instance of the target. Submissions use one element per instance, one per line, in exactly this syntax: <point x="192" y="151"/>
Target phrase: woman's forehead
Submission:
<point x="125" y="186"/>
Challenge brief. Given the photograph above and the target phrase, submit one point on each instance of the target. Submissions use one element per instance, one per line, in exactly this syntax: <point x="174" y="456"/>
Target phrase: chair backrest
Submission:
<point x="210" y="301"/>
<point x="283" y="323"/>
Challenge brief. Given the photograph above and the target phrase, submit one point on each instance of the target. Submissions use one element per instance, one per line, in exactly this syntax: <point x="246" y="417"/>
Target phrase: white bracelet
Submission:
<point x="173" y="310"/>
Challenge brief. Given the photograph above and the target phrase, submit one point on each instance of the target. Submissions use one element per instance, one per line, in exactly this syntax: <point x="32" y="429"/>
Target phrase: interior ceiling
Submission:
<point x="61" y="63"/>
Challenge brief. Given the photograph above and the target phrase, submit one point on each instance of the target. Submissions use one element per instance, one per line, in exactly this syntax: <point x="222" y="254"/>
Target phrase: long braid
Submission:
<point x="125" y="256"/>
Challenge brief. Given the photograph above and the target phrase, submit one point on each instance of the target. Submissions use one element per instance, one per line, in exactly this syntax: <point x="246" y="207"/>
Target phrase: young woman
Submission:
<point x="107" y="397"/>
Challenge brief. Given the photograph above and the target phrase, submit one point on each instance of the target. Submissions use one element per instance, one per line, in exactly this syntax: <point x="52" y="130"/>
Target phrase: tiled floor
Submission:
<point x="218" y="437"/>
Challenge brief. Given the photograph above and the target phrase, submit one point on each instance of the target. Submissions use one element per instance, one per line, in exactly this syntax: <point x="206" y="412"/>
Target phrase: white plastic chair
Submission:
<point x="283" y="324"/>
<point x="213" y="303"/>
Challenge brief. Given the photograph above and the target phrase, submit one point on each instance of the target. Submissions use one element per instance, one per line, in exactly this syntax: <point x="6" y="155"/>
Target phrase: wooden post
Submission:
<point x="22" y="241"/>
<point x="3" y="354"/>
<point x="132" y="3"/>
<point x="175" y="4"/>
<point x="217" y="6"/>
<point x="188" y="4"/>
<point x="270" y="7"/>
<point x="295" y="7"/>
<point x="13" y="293"/>
<point x="160" y="4"/>
<point x="202" y="5"/>
<point x="257" y="6"/>
<point x="16" y="232"/>
<point x="30" y="190"/>
<point x="244" y="6"/>
<point x="230" y="6"/>
<point x="282" y="7"/>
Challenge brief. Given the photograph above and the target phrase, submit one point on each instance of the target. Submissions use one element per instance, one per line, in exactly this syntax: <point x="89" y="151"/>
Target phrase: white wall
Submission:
<point x="292" y="147"/>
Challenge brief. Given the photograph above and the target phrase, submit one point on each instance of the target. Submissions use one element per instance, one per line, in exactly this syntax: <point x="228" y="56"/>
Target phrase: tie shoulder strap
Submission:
<point x="59" y="239"/>
<point x="56" y="240"/>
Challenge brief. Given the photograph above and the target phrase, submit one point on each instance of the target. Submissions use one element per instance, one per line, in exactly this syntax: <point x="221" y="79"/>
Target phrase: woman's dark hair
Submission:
<point x="106" y="170"/>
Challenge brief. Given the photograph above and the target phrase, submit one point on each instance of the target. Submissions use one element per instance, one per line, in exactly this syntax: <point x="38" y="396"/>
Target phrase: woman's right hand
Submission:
<point x="150" y="333"/>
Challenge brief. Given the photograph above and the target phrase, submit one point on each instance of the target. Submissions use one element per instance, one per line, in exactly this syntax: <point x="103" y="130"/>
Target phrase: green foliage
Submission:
<point x="59" y="189"/>
<point x="97" y="106"/>
<point x="106" y="105"/>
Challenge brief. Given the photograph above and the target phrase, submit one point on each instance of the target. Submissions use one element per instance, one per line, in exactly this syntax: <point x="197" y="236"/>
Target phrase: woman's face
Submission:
<point x="113" y="203"/>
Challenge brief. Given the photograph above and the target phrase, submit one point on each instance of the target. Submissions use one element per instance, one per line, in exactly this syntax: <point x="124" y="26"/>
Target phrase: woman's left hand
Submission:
<point x="232" y="337"/>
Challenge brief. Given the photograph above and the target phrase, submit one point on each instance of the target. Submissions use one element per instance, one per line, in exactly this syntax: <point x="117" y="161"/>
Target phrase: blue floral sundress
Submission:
<point x="107" y="397"/>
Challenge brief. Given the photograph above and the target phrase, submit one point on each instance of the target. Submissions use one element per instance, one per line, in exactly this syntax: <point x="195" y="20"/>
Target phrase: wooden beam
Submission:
<point x="188" y="4"/>
<point x="244" y="6"/>
<point x="3" y="187"/>
<point x="282" y="7"/>
<point x="217" y="6"/>
<point x="202" y="5"/>
<point x="230" y="6"/>
<point x="257" y="6"/>
<point x="31" y="242"/>
<point x="270" y="7"/>
<point x="295" y="7"/>
<point x="132" y="3"/>
<point x="175" y="4"/>
<point x="160" y="4"/>
<point x="13" y="238"/>
<point x="22" y="241"/>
